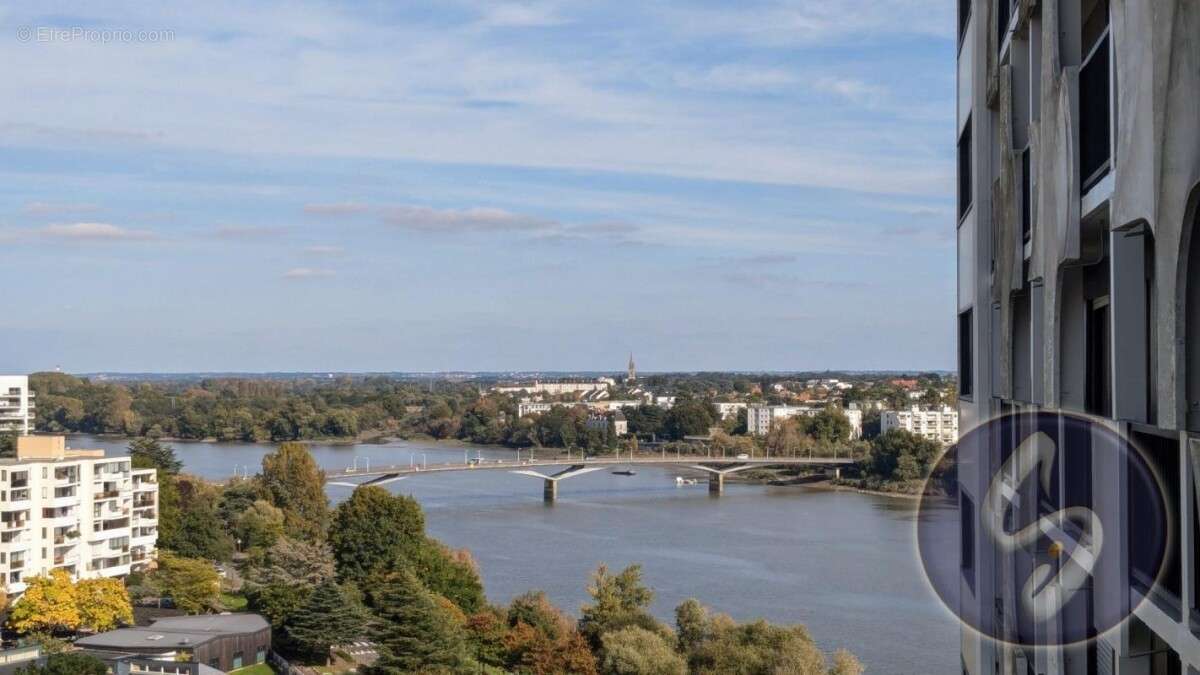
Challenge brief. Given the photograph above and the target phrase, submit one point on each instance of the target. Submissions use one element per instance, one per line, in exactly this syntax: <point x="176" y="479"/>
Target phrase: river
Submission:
<point x="842" y="563"/>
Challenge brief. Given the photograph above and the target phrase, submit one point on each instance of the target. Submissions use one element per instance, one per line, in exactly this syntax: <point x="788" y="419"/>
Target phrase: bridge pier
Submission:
<point x="550" y="490"/>
<point x="716" y="483"/>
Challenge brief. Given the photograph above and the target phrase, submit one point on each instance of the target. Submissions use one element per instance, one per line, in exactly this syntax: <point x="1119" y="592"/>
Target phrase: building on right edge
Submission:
<point x="1078" y="136"/>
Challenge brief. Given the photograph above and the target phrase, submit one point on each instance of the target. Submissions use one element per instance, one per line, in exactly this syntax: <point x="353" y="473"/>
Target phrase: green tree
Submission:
<point x="326" y="619"/>
<point x="279" y="579"/>
<point x="618" y="601"/>
<point x="373" y="529"/>
<point x="67" y="663"/>
<point x="690" y="417"/>
<point x="293" y="482"/>
<point x="150" y="453"/>
<point x="416" y="634"/>
<point x="200" y="532"/>
<point x="691" y="625"/>
<point x="901" y="456"/>
<point x="192" y="584"/>
<point x="637" y="651"/>
<point x="259" y="526"/>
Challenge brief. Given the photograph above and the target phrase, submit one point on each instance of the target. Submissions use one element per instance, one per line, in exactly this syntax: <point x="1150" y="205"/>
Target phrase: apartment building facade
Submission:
<point x="77" y="510"/>
<point x="16" y="404"/>
<point x="760" y="417"/>
<point x="1079" y="294"/>
<point x="936" y="424"/>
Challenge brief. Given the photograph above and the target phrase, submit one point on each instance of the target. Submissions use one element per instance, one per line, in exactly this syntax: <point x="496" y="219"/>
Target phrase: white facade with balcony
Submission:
<point x="936" y="424"/>
<point x="16" y="404"/>
<point x="77" y="510"/>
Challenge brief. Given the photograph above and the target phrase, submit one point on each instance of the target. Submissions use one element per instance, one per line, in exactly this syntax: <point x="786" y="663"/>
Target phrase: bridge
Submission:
<point x="555" y="470"/>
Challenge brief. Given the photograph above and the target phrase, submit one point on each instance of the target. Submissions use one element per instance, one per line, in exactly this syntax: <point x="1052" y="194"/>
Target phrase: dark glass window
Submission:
<point x="1099" y="360"/>
<point x="1145" y="498"/>
<point x="1026" y="197"/>
<point x="966" y="380"/>
<point x="967" y="539"/>
<point x="964" y="171"/>
<point x="1003" y="17"/>
<point x="964" y="16"/>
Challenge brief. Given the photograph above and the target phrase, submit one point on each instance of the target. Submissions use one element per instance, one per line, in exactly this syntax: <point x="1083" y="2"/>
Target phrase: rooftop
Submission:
<point x="170" y="632"/>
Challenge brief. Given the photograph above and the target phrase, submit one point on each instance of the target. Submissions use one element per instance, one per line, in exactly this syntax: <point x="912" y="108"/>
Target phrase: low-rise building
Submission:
<point x="76" y="510"/>
<point x="16" y="404"/>
<point x="599" y="422"/>
<point x="937" y="424"/>
<point x="222" y="641"/>
<point x="729" y="409"/>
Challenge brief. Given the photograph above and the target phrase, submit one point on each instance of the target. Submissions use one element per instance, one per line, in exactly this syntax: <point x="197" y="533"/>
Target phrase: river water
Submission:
<point x="842" y="563"/>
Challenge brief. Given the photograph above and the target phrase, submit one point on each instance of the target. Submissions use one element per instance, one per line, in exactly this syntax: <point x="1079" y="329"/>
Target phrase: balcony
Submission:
<point x="107" y="494"/>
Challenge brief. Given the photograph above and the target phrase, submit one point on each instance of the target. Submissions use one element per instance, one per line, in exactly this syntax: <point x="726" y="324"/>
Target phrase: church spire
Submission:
<point x="632" y="369"/>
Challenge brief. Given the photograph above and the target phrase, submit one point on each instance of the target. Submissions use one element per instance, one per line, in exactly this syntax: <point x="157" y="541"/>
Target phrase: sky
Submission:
<point x="477" y="185"/>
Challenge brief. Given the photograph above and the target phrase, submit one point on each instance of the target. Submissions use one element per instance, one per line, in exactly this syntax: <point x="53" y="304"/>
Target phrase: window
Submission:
<point x="964" y="17"/>
<point x="966" y="382"/>
<point x="1026" y="197"/>
<point x="1003" y="17"/>
<point x="1095" y="104"/>
<point x="964" y="170"/>
<point x="966" y="556"/>
<point x="1099" y="359"/>
<point x="1148" y="498"/>
<point x="1192" y="327"/>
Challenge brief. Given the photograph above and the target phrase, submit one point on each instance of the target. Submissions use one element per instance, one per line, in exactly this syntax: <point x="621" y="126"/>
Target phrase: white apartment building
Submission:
<point x="16" y="404"/>
<point x="599" y="421"/>
<point x="555" y="388"/>
<point x="727" y="410"/>
<point x="939" y="424"/>
<point x="760" y="417"/>
<point x="77" y="510"/>
<point x="538" y="407"/>
<point x="533" y="408"/>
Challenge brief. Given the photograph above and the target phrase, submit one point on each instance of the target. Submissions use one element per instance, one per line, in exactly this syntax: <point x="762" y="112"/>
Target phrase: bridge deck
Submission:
<point x="509" y="465"/>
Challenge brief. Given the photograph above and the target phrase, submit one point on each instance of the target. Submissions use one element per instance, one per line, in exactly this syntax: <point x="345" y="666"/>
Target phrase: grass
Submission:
<point x="233" y="603"/>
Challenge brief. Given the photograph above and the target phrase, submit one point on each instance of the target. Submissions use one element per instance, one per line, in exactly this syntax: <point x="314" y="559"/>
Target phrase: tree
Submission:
<point x="279" y="579"/>
<point x="259" y="526"/>
<point x="372" y="529"/>
<point x="637" y="651"/>
<point x="48" y="605"/>
<point x="192" y="584"/>
<point x="691" y="417"/>
<point x="199" y="532"/>
<point x="103" y="604"/>
<point x="293" y="482"/>
<point x="150" y="453"/>
<point x="326" y="619"/>
<point x="691" y="625"/>
<point x="618" y="601"/>
<point x="901" y="455"/>
<point x="830" y="426"/>
<point x="417" y="634"/>
<point x="67" y="663"/>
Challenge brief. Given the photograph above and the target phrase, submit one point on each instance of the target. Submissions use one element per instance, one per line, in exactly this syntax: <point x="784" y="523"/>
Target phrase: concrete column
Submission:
<point x="716" y="483"/>
<point x="550" y="490"/>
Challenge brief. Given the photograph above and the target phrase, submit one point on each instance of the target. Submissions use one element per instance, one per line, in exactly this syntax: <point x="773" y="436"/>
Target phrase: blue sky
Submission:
<point x="478" y="185"/>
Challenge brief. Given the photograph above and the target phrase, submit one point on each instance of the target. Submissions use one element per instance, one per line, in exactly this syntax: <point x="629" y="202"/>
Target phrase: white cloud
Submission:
<point x="322" y="250"/>
<point x="248" y="232"/>
<point x="520" y="15"/>
<point x="57" y="208"/>
<point x="476" y="219"/>
<point x="307" y="273"/>
<point x="853" y="90"/>
<point x="338" y="209"/>
<point x="94" y="232"/>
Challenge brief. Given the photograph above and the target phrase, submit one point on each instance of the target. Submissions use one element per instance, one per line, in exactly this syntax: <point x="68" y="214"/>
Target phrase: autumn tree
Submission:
<point x="192" y="584"/>
<point x="49" y="605"/>
<point x="103" y="604"/>
<point x="292" y="482"/>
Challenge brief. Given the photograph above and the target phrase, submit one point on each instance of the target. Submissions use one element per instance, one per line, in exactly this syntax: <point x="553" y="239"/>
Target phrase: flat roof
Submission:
<point x="176" y="631"/>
